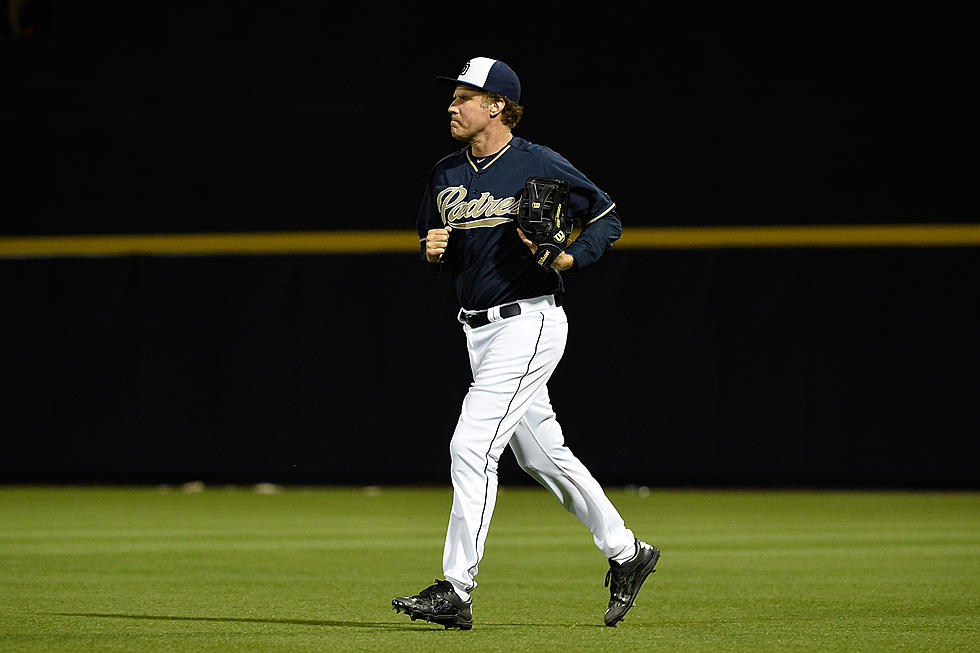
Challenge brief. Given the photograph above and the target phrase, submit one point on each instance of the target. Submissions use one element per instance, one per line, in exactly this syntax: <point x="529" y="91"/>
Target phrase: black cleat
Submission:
<point x="626" y="580"/>
<point x="439" y="604"/>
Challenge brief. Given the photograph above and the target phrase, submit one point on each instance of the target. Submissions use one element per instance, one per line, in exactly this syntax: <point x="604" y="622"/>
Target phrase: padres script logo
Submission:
<point x="484" y="211"/>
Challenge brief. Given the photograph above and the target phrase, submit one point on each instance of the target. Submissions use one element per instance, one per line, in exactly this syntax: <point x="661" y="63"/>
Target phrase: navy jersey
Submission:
<point x="479" y="198"/>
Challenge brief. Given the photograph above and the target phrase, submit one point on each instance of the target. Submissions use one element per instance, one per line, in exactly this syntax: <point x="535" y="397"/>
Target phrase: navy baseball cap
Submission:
<point x="490" y="75"/>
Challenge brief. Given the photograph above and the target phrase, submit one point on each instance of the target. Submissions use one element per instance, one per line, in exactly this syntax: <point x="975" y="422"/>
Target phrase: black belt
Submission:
<point x="481" y="318"/>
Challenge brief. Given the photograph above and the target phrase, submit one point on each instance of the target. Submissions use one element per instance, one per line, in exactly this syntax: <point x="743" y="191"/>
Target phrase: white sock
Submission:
<point x="461" y="593"/>
<point x="627" y="554"/>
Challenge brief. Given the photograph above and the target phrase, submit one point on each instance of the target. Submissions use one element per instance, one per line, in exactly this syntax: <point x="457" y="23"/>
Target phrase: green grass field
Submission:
<point x="314" y="569"/>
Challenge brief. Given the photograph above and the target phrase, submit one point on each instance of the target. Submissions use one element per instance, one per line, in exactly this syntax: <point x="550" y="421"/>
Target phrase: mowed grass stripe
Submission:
<point x="773" y="546"/>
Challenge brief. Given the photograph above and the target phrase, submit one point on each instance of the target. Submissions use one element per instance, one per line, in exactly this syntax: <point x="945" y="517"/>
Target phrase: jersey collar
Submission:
<point x="484" y="162"/>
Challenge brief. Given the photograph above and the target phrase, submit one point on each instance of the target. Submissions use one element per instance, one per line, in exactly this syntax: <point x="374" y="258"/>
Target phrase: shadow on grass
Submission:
<point x="257" y="620"/>
<point x="382" y="625"/>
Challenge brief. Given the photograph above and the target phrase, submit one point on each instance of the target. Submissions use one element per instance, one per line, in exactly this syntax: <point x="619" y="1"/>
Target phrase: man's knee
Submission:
<point x="534" y="462"/>
<point x="471" y="452"/>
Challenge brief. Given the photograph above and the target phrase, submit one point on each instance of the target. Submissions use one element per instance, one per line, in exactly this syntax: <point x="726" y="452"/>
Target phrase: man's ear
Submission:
<point x="496" y="108"/>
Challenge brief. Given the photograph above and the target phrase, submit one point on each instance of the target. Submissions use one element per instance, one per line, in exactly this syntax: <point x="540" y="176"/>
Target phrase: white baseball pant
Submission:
<point x="512" y="360"/>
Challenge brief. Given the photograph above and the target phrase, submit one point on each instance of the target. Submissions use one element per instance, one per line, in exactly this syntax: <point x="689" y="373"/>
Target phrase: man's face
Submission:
<point x="467" y="116"/>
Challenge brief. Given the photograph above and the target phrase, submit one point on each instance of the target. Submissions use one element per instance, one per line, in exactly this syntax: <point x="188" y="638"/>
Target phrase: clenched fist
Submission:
<point x="436" y="242"/>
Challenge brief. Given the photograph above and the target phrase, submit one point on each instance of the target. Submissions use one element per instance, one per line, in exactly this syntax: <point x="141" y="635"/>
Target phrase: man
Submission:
<point x="515" y="331"/>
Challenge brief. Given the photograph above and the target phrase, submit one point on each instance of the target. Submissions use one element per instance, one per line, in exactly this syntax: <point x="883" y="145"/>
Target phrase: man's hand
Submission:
<point x="436" y="242"/>
<point x="562" y="262"/>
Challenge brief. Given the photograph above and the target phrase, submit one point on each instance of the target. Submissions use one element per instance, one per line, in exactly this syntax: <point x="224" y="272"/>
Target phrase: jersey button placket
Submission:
<point x="471" y="193"/>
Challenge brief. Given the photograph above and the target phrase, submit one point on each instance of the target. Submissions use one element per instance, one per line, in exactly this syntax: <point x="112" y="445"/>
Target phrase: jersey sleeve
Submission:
<point x="597" y="236"/>
<point x="428" y="215"/>
<point x="593" y="209"/>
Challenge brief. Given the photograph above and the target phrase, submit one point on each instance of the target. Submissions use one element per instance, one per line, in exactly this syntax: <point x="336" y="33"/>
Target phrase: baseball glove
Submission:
<point x="543" y="217"/>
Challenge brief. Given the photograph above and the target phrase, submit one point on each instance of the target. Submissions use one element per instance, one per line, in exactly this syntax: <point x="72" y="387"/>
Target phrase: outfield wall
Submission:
<point x="793" y="301"/>
<point x="815" y="366"/>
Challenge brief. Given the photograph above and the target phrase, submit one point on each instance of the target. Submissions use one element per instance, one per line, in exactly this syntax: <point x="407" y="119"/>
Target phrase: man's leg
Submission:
<point x="539" y="446"/>
<point x="512" y="362"/>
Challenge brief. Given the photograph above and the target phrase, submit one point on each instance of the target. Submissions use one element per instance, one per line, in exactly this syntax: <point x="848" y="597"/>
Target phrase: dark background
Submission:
<point x="847" y="366"/>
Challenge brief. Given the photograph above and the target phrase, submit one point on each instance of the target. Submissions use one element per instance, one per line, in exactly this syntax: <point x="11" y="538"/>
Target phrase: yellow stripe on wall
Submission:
<point x="370" y="242"/>
<point x="889" y="235"/>
<point x="275" y="242"/>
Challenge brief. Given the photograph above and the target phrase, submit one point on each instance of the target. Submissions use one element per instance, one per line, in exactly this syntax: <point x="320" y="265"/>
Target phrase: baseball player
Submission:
<point x="515" y="327"/>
